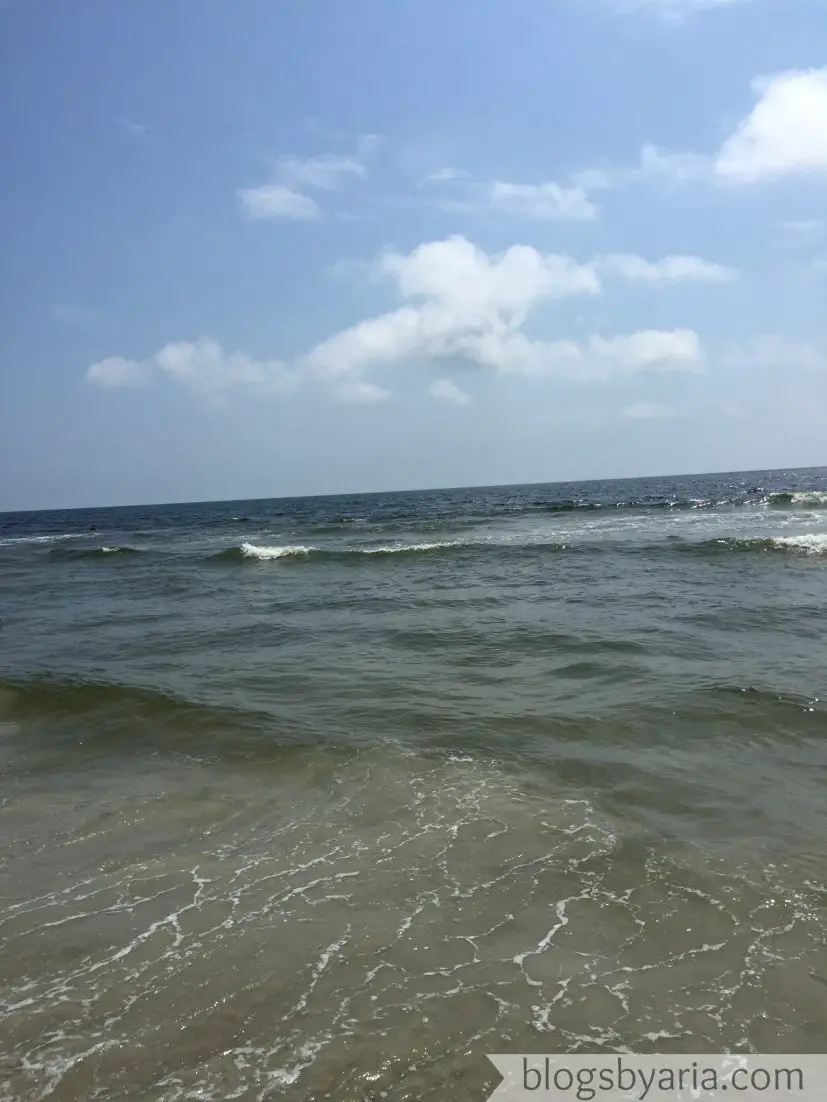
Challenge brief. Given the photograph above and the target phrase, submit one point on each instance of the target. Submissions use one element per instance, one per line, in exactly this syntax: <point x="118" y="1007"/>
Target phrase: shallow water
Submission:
<point x="327" y="798"/>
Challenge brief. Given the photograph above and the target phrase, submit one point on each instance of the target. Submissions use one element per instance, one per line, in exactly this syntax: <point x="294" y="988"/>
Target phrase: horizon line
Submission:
<point x="417" y="490"/>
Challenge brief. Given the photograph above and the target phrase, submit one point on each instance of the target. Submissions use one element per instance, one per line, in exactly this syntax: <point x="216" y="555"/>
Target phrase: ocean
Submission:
<point x="327" y="798"/>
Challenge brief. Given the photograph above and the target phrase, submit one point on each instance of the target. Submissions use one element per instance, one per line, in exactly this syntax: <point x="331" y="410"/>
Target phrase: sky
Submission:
<point x="258" y="249"/>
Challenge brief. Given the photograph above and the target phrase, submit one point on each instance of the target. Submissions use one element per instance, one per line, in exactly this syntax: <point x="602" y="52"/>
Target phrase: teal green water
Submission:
<point x="327" y="798"/>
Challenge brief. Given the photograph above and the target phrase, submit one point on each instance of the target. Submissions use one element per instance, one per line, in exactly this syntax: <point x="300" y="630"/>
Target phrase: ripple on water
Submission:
<point x="377" y="921"/>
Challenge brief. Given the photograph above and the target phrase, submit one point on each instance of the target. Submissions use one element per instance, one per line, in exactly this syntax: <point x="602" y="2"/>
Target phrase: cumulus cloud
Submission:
<point x="547" y="202"/>
<point x="785" y="132"/>
<point x="201" y="365"/>
<point x="457" y="303"/>
<point x="466" y="305"/>
<point x="284" y="196"/>
<point x="448" y="391"/>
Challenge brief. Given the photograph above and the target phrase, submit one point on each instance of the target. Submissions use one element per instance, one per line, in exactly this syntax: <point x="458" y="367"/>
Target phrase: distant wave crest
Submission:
<point x="93" y="552"/>
<point x="12" y="541"/>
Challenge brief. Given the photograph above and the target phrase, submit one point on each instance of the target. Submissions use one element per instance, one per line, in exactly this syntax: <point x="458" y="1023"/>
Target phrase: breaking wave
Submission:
<point x="264" y="554"/>
<point x="806" y="499"/>
<point x="813" y="544"/>
<point x="249" y="552"/>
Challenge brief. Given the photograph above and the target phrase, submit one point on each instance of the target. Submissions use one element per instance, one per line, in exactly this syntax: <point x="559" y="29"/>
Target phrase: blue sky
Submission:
<point x="259" y="248"/>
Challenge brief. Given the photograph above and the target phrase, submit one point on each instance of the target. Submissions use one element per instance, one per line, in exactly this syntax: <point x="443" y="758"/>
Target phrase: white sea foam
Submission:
<point x="813" y="544"/>
<point x="810" y="497"/>
<point x="409" y="547"/>
<point x="251" y="551"/>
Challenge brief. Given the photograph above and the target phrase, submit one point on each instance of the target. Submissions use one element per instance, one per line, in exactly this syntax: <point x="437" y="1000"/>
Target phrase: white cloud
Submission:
<point x="786" y="132"/>
<point x="548" y="201"/>
<point x="671" y="269"/>
<point x="462" y="276"/>
<point x="656" y="164"/>
<point x="457" y="295"/>
<point x="458" y="302"/>
<point x="448" y="391"/>
<point x="201" y="365"/>
<point x="594" y="359"/>
<point x="327" y="172"/>
<point x="283" y="197"/>
<point x="464" y="304"/>
<point x="116" y="372"/>
<point x="677" y="349"/>
<point x="272" y="201"/>
<point x="646" y="411"/>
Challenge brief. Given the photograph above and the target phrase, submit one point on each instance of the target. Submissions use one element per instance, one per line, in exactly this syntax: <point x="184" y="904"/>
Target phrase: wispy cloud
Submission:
<point x="776" y="351"/>
<point x="547" y="202"/>
<point x="272" y="201"/>
<point x="69" y="313"/>
<point x="327" y="172"/>
<point x="138" y="130"/>
<point x="116" y="371"/>
<point x="646" y="411"/>
<point x="446" y="175"/>
<point x="285" y="195"/>
<point x="670" y="10"/>
<point x="671" y="269"/>
<point x="448" y="391"/>
<point x="802" y="232"/>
